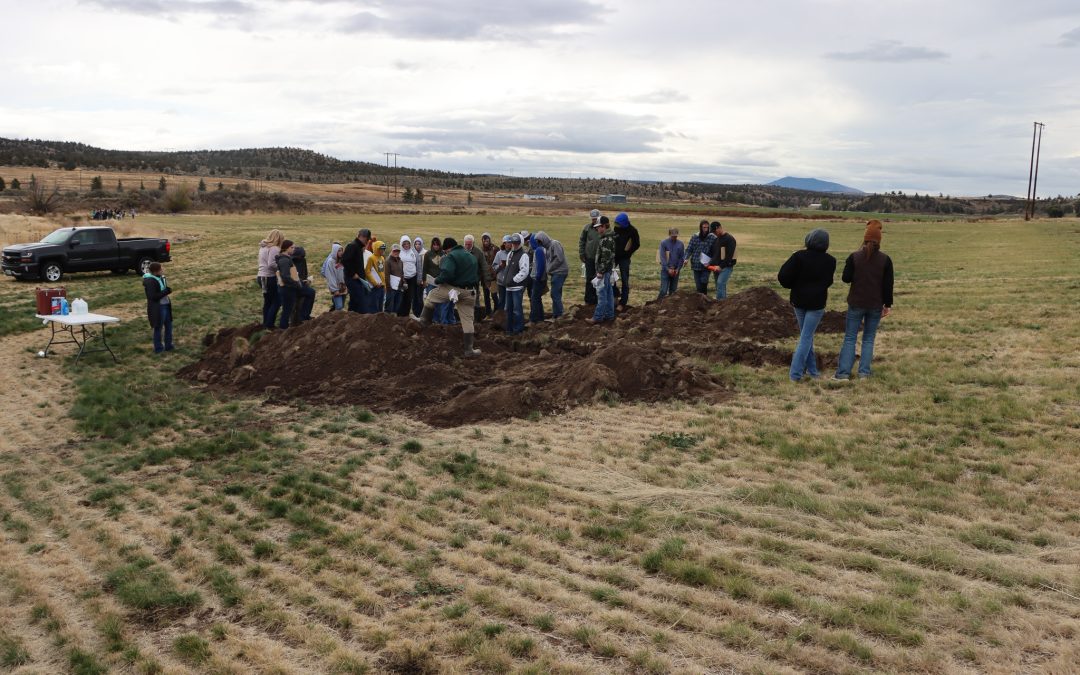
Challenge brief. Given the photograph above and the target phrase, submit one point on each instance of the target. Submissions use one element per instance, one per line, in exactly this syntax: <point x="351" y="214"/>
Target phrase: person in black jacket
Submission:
<point x="870" y="299"/>
<point x="627" y="242"/>
<point x="353" y="262"/>
<point x="722" y="254"/>
<point x="808" y="273"/>
<point x="293" y="292"/>
<point x="159" y="307"/>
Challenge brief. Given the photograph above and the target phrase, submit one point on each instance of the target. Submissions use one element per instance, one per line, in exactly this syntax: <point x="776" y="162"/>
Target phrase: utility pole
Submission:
<point x="1033" y="170"/>
<point x="395" y="155"/>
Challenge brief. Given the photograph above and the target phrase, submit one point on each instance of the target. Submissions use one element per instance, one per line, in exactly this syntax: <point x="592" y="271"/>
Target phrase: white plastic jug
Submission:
<point x="78" y="306"/>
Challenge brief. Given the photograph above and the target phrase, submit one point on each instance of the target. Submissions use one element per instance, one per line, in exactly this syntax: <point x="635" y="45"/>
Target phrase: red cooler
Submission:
<point x="45" y="296"/>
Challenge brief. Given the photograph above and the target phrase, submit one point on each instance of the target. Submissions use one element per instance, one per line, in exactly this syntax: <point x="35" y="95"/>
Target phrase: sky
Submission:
<point x="918" y="96"/>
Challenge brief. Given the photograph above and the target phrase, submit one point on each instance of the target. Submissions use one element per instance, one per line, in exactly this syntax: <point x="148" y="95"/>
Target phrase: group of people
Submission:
<point x="445" y="282"/>
<point x="111" y="214"/>
<point x="809" y="274"/>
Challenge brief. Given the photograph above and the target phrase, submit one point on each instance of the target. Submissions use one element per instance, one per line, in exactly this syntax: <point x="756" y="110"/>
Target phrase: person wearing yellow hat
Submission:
<point x="870" y="298"/>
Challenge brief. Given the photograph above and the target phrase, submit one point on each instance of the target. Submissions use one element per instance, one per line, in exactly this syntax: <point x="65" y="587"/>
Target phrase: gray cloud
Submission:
<point x="1070" y="39"/>
<point x="470" y="19"/>
<point x="889" y="51"/>
<point x="573" y="131"/>
<point x="661" y="96"/>
<point x="170" y="9"/>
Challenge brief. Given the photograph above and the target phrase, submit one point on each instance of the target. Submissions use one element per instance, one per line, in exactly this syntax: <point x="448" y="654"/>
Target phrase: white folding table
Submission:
<point x="68" y="323"/>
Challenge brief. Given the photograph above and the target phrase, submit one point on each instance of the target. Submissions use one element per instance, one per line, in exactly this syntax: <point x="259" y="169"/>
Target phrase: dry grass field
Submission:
<point x="924" y="520"/>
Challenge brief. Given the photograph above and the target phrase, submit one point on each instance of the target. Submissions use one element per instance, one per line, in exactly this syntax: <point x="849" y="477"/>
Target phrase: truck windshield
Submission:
<point x="57" y="237"/>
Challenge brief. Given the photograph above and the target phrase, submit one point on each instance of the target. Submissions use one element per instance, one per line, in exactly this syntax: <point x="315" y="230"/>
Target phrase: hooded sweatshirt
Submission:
<point x="556" y="255"/>
<point x="627" y="239"/>
<point x="809" y="273"/>
<point x="408" y="258"/>
<point x="268" y="254"/>
<point x="375" y="267"/>
<point x="420" y="251"/>
<point x="333" y="271"/>
<point x="538" y="270"/>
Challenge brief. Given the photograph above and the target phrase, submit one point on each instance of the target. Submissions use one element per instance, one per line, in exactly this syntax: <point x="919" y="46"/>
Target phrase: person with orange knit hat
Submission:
<point x="870" y="298"/>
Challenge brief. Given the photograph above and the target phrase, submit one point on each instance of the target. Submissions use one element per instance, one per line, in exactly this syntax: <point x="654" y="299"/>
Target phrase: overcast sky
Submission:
<point x="912" y="95"/>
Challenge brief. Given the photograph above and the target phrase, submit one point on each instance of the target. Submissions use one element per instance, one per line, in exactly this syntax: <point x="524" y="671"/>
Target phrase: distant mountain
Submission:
<point x="815" y="185"/>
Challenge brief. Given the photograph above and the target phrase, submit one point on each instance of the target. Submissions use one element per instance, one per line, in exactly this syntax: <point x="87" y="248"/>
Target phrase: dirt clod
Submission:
<point x="383" y="362"/>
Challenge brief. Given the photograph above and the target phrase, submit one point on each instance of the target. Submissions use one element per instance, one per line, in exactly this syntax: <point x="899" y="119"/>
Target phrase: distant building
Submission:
<point x="613" y="199"/>
<point x="547" y="198"/>
<point x="816" y="207"/>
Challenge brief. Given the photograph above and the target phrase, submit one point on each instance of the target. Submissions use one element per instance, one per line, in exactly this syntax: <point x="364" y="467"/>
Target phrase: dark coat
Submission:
<point x="808" y="273"/>
<point x="154" y="294"/>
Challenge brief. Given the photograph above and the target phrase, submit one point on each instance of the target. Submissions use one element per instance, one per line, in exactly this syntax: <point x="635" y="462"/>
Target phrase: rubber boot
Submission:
<point x="470" y="351"/>
<point x="425" y="315"/>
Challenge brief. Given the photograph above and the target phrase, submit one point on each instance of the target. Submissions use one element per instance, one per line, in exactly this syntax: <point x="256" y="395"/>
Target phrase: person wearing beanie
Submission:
<point x="627" y="242"/>
<point x="808" y="274"/>
<point x="698" y="254"/>
<point x="721" y="258"/>
<point x="456" y="283"/>
<point x="514" y="276"/>
<point x="870" y="299"/>
<point x="587" y="242"/>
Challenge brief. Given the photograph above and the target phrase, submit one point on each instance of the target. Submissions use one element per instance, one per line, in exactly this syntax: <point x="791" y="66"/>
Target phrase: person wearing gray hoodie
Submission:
<point x="808" y="274"/>
<point x="557" y="268"/>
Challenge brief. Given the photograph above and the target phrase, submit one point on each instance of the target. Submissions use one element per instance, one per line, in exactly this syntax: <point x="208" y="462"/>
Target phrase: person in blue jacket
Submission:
<point x="538" y="274"/>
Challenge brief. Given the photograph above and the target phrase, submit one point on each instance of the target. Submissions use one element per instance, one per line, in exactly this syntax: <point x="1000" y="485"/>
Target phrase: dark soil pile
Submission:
<point x="386" y="363"/>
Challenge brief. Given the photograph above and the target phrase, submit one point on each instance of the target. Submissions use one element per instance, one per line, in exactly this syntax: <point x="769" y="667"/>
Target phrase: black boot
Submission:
<point x="469" y="350"/>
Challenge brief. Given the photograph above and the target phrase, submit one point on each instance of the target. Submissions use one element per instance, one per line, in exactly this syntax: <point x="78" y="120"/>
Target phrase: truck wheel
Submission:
<point x="143" y="266"/>
<point x="52" y="272"/>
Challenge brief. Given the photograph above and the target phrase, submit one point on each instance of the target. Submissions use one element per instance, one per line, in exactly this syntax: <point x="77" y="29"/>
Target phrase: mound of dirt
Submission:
<point x="387" y="363"/>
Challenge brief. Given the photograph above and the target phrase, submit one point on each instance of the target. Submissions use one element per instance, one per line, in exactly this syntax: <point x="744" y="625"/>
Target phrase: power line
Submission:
<point x="388" y="154"/>
<point x="1033" y="170"/>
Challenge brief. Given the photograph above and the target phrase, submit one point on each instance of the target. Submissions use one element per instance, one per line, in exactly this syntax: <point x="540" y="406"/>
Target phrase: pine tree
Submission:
<point x="161" y="184"/>
<point x="142" y="186"/>
<point x="468" y="199"/>
<point x="202" y="185"/>
<point x="95" y="184"/>
<point x="407" y="197"/>
<point x="220" y="185"/>
<point x="419" y="198"/>
<point x="119" y="186"/>
<point x="15" y="184"/>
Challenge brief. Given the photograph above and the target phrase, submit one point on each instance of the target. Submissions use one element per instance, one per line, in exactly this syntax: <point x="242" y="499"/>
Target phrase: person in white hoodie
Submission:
<point x="409" y="275"/>
<point x="418" y="297"/>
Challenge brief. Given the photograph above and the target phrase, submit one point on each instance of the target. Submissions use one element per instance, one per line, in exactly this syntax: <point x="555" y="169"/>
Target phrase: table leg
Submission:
<point x="82" y="345"/>
<point x="105" y="342"/>
<point x="52" y="336"/>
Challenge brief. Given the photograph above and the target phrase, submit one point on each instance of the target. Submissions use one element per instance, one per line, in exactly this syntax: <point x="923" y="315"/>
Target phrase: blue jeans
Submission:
<point x="557" y="281"/>
<point x="393" y="301"/>
<point x="804" y="361"/>
<point x="271" y="300"/>
<point x="701" y="280"/>
<point x="605" y="301"/>
<point x="668" y="284"/>
<point x="357" y="295"/>
<point x="290" y="296"/>
<point x="164" y="325"/>
<point x="441" y="310"/>
<point x="515" y="315"/>
<point x="338" y="302"/>
<point x="721" y="282"/>
<point x="869" y="319"/>
<point x="376" y="298"/>
<point x="536" y="302"/>
<point x="624" y="282"/>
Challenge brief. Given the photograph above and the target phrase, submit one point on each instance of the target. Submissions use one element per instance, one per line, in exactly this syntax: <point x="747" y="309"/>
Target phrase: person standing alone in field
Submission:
<point x="808" y="273"/>
<point x="269" y="249"/>
<point x="587" y="243"/>
<point x="722" y="258"/>
<point x="159" y="307"/>
<point x="870" y="299"/>
<point x="672" y="258"/>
